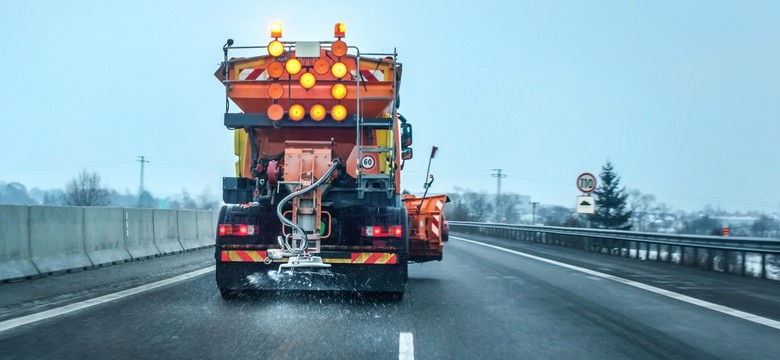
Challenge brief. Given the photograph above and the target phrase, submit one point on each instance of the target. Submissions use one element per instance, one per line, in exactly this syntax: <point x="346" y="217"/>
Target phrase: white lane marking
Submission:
<point x="405" y="346"/>
<point x="705" y="304"/>
<point x="24" y="320"/>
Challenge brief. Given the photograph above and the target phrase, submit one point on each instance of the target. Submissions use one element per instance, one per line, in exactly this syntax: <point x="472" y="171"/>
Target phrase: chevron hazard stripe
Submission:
<point x="356" y="258"/>
<point x="243" y="256"/>
<point x="253" y="74"/>
<point x="374" y="258"/>
<point x="370" y="75"/>
<point x="436" y="221"/>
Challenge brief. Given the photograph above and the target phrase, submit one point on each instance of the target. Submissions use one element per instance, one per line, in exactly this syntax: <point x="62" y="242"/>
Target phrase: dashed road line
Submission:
<point x="405" y="346"/>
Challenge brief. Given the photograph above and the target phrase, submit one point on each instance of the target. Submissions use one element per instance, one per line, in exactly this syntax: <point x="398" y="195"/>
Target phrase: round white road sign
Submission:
<point x="367" y="162"/>
<point x="586" y="182"/>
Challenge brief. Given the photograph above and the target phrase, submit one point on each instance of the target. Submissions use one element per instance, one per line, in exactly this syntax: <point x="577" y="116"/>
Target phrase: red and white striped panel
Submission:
<point x="436" y="221"/>
<point x="370" y="75"/>
<point x="253" y="74"/>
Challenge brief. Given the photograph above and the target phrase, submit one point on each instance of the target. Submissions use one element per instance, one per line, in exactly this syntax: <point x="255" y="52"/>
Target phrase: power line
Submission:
<point x="498" y="175"/>
<point x="142" y="161"/>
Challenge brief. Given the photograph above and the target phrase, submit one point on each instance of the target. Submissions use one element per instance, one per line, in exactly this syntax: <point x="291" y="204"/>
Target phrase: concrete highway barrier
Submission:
<point x="166" y="231"/>
<point x="40" y="240"/>
<point x="57" y="238"/>
<point x="188" y="229"/>
<point x="207" y="227"/>
<point x="104" y="235"/>
<point x="15" y="261"/>
<point x="139" y="230"/>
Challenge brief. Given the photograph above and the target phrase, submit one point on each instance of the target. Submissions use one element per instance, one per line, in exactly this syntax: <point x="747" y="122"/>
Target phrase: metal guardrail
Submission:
<point x="758" y="257"/>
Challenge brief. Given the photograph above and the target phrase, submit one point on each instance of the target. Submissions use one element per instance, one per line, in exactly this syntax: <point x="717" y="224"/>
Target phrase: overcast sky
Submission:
<point x="682" y="96"/>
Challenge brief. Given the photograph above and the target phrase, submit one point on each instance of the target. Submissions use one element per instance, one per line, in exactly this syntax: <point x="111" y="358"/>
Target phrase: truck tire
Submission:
<point x="229" y="295"/>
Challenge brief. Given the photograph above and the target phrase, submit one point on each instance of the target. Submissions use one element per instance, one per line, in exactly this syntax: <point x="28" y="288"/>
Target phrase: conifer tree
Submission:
<point x="611" y="202"/>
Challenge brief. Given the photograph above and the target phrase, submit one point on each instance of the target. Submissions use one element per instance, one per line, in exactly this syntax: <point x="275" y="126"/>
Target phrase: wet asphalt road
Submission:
<point x="477" y="303"/>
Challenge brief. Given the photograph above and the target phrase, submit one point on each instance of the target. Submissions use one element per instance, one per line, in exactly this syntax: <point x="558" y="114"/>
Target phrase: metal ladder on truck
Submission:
<point x="382" y="182"/>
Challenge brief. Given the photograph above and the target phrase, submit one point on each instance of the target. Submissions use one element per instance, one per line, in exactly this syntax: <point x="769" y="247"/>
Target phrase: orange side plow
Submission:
<point x="425" y="217"/>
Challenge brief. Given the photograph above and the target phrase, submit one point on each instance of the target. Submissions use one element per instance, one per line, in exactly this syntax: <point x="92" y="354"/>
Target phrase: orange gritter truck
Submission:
<point x="316" y="203"/>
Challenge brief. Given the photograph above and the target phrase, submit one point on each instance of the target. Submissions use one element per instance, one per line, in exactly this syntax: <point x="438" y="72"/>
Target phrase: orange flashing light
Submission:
<point x="339" y="91"/>
<point x="317" y="112"/>
<point x="338" y="48"/>
<point x="338" y="112"/>
<point x="321" y="66"/>
<point x="275" y="112"/>
<point x="308" y="80"/>
<point x="339" y="31"/>
<point x="275" y="91"/>
<point x="275" y="48"/>
<point x="339" y="70"/>
<point x="275" y="70"/>
<point x="293" y="66"/>
<point x="297" y="112"/>
<point x="276" y="30"/>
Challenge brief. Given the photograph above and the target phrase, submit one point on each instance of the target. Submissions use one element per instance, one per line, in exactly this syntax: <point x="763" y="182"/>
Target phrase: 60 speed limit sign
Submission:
<point x="586" y="182"/>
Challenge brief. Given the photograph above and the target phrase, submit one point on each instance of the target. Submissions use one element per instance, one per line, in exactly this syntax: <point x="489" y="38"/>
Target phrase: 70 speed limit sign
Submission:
<point x="586" y="182"/>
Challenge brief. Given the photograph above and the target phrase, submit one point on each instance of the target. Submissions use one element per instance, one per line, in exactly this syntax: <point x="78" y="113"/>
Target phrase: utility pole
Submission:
<point x="497" y="174"/>
<point x="142" y="161"/>
<point x="533" y="212"/>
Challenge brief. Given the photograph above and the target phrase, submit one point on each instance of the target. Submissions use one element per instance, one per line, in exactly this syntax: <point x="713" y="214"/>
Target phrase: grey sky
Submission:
<point x="682" y="96"/>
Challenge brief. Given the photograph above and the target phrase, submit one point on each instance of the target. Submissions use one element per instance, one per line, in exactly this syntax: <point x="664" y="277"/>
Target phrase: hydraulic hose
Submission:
<point x="284" y="220"/>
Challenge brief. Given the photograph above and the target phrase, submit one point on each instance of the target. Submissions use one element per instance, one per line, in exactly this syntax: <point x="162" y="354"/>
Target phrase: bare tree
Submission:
<point x="479" y="205"/>
<point x="207" y="200"/>
<point x="85" y="190"/>
<point x="642" y="207"/>
<point x="553" y="215"/>
<point x="457" y="209"/>
<point x="766" y="226"/>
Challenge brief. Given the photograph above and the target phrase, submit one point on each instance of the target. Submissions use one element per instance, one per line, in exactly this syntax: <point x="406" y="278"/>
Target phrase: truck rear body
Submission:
<point x="315" y="203"/>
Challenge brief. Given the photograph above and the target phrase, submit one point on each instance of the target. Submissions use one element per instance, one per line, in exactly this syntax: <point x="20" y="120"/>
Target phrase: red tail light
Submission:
<point x="383" y="231"/>
<point x="237" y="230"/>
<point x="397" y="231"/>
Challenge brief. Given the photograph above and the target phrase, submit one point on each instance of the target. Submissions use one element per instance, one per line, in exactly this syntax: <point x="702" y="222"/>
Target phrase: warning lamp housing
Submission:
<point x="276" y="30"/>
<point x="345" y="82"/>
<point x="338" y="91"/>
<point x="338" y="112"/>
<point x="296" y="112"/>
<point x="275" y="48"/>
<point x="308" y="80"/>
<point x="339" y="70"/>
<point x="339" y="31"/>
<point x="317" y="112"/>
<point x="293" y="66"/>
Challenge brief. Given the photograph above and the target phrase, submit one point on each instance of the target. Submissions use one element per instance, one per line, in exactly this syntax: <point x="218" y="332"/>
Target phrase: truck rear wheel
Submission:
<point x="228" y="294"/>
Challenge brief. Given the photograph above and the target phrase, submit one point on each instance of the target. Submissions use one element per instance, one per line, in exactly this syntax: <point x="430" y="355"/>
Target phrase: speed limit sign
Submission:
<point x="586" y="182"/>
<point x="367" y="162"/>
